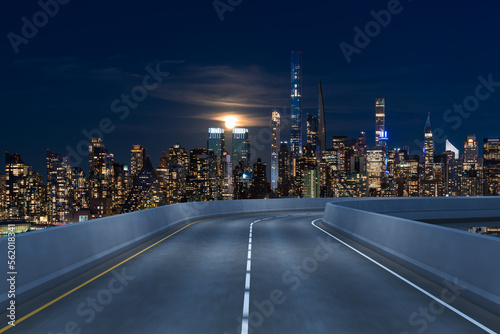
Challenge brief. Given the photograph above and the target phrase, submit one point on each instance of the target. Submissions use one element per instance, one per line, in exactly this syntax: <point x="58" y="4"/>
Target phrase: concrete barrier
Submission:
<point x="436" y="252"/>
<point x="49" y="257"/>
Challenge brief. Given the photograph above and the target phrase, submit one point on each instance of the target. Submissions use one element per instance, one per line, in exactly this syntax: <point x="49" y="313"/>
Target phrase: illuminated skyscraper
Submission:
<point x="172" y="173"/>
<point x="100" y="170"/>
<point x="275" y="143"/>
<point x="450" y="148"/>
<point x="296" y="104"/>
<point x="312" y="130"/>
<point x="59" y="188"/>
<point x="216" y="141"/>
<point x="24" y="191"/>
<point x="146" y="192"/>
<point x="137" y="158"/>
<point x="284" y="170"/>
<point x="472" y="176"/>
<point x="380" y="133"/>
<point x="428" y="183"/>
<point x="202" y="175"/>
<point x="321" y="118"/>
<point x="362" y="145"/>
<point x="491" y="153"/>
<point x="241" y="147"/>
<point x="375" y="170"/>
<point x="428" y="150"/>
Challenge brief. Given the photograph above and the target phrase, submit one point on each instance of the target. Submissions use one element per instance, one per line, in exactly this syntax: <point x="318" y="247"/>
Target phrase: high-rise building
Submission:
<point x="380" y="133"/>
<point x="275" y="143"/>
<point x="284" y="175"/>
<point x="216" y="141"/>
<point x="146" y="192"/>
<point x="100" y="170"/>
<point x="227" y="177"/>
<point x="59" y="188"/>
<point x="362" y="144"/>
<point x="172" y="173"/>
<point x="123" y="182"/>
<point x="428" y="182"/>
<point x="428" y="150"/>
<point x="241" y="147"/>
<point x="203" y="174"/>
<point x="339" y="154"/>
<point x="321" y="118"/>
<point x="311" y="183"/>
<point x="25" y="193"/>
<point x="491" y="168"/>
<point x="312" y="130"/>
<point x="296" y="104"/>
<point x="375" y="170"/>
<point x="260" y="187"/>
<point x="472" y="171"/>
<point x="137" y="158"/>
<point x="450" y="148"/>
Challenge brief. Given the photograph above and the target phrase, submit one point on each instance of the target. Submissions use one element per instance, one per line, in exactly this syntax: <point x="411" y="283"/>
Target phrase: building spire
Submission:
<point x="321" y="117"/>
<point x="428" y="127"/>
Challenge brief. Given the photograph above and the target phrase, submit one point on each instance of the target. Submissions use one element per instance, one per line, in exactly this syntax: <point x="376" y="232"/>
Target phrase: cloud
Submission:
<point x="223" y="90"/>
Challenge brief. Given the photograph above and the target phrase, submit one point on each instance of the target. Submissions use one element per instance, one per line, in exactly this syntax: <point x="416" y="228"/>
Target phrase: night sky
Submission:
<point x="65" y="77"/>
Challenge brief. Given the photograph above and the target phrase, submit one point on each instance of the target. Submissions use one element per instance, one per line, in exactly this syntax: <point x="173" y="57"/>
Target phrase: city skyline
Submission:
<point x="64" y="80"/>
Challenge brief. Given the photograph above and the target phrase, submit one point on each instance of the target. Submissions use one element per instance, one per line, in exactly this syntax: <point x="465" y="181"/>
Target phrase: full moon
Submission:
<point x="230" y="122"/>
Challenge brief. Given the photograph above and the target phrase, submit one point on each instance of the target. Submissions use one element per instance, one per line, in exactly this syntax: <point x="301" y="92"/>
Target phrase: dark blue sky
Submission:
<point x="65" y="78"/>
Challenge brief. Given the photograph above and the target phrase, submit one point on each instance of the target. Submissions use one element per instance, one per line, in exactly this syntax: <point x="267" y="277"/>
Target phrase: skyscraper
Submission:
<point x="450" y="148"/>
<point x="472" y="169"/>
<point x="146" y="192"/>
<point x="321" y="118"/>
<point x="491" y="153"/>
<point x="428" y="150"/>
<point x="428" y="184"/>
<point x="100" y="170"/>
<point x="24" y="190"/>
<point x="275" y="142"/>
<point x="59" y="188"/>
<point x="216" y="141"/>
<point x="284" y="170"/>
<point x="202" y="175"/>
<point x="312" y="130"/>
<point x="241" y="147"/>
<point x="296" y="104"/>
<point x="137" y="158"/>
<point x="380" y="133"/>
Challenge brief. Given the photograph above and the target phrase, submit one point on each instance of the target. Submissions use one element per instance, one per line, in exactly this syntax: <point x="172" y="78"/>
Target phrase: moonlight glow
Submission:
<point x="230" y="122"/>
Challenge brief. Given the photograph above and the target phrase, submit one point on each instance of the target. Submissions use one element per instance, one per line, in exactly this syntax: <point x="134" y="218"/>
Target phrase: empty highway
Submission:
<point x="267" y="273"/>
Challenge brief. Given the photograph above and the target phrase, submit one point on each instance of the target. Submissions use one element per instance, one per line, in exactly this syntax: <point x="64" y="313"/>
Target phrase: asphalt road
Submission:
<point x="292" y="278"/>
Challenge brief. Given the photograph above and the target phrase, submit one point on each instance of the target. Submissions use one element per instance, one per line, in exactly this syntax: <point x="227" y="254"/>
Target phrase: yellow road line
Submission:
<point x="96" y="277"/>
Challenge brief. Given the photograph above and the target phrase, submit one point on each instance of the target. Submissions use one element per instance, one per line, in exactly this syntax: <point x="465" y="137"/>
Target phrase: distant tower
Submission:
<point x="296" y="104"/>
<point x="137" y="158"/>
<point x="275" y="142"/>
<point x="379" y="121"/>
<point x="321" y="118"/>
<point x="450" y="148"/>
<point x="241" y="147"/>
<point x="312" y="130"/>
<point x="428" y="151"/>
<point x="362" y="146"/>
<point x="216" y="141"/>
